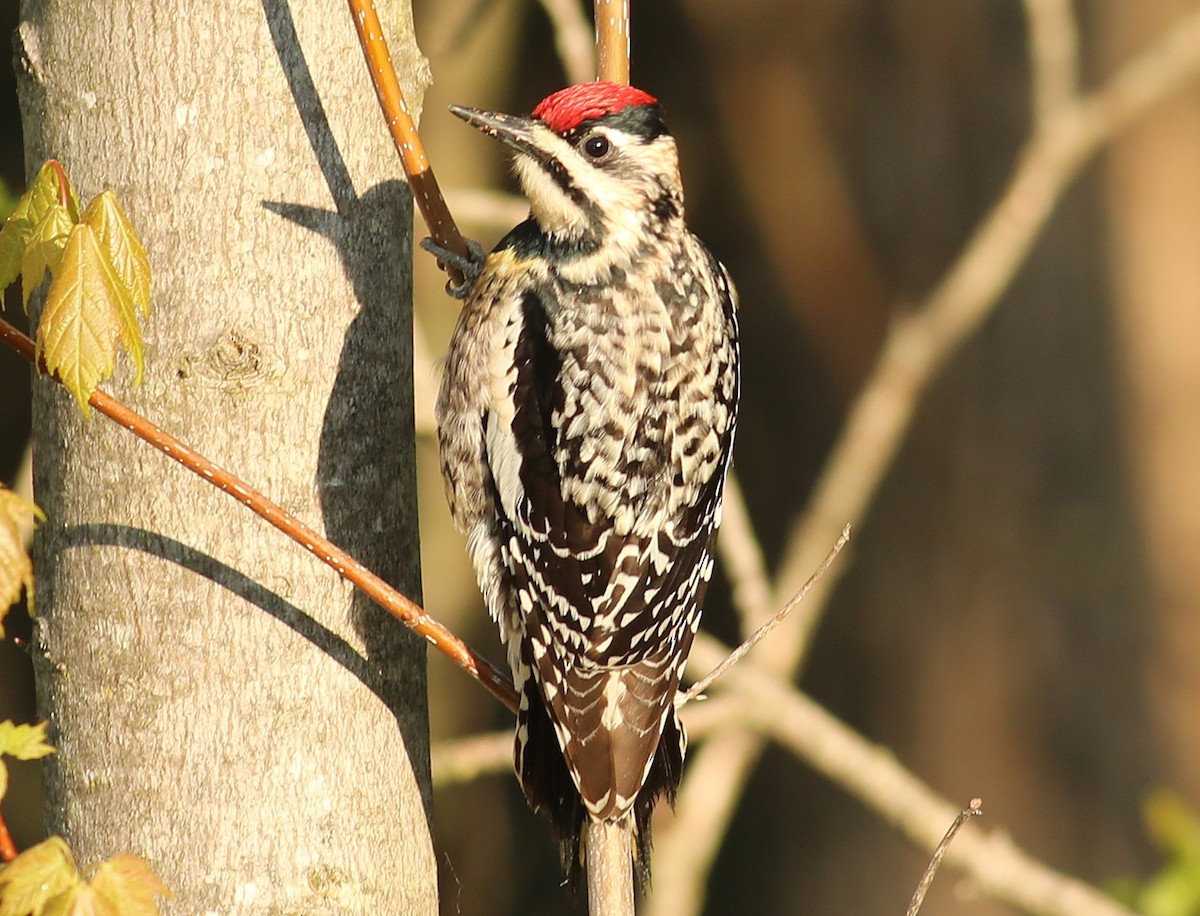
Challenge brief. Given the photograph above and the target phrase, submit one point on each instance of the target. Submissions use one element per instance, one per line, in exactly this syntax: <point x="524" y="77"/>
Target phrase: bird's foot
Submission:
<point x="469" y="266"/>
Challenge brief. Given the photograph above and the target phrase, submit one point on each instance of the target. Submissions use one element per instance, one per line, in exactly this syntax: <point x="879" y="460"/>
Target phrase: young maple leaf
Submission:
<point x="128" y="885"/>
<point x="37" y="876"/>
<point x="16" y="569"/>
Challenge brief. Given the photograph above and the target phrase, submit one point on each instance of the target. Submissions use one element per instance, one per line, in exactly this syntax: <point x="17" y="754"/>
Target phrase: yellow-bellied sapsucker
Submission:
<point x="586" y="423"/>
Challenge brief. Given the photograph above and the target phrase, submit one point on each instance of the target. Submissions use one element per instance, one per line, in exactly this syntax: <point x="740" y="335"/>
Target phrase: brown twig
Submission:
<point x="918" y="898"/>
<point x="400" y="125"/>
<point x="758" y="635"/>
<point x="406" y="611"/>
<point x="612" y="40"/>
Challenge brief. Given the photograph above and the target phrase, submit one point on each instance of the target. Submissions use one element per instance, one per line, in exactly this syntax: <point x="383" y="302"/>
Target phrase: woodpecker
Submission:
<point x="585" y="423"/>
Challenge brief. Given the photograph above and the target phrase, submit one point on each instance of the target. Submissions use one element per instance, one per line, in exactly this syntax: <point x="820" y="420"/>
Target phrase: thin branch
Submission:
<point x="918" y="898"/>
<point x="572" y="39"/>
<point x="612" y="40"/>
<point x="919" y="344"/>
<point x="1054" y="56"/>
<point x="426" y="193"/>
<point x="608" y="849"/>
<point x="405" y="610"/>
<point x="915" y="350"/>
<point x="492" y="210"/>
<point x="736" y="655"/>
<point x="461" y="760"/>
<point x="742" y="560"/>
<point x="871" y="773"/>
<point x="465" y="759"/>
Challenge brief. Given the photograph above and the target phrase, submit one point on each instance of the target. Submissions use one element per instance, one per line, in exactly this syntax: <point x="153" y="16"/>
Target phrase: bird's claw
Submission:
<point x="469" y="266"/>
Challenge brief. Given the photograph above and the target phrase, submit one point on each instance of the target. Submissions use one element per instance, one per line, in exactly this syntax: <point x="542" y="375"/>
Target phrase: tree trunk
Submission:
<point x="224" y="705"/>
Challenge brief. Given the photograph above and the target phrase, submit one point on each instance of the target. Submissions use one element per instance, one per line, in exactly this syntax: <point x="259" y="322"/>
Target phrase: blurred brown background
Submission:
<point x="1019" y="621"/>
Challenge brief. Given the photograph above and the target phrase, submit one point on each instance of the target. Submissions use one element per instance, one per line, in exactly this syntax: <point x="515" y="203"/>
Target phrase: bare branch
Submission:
<point x="920" y="343"/>
<point x="465" y="759"/>
<point x="742" y="559"/>
<point x="931" y="870"/>
<point x="871" y="773"/>
<point x="572" y="39"/>
<point x="421" y="181"/>
<point x="492" y="210"/>
<point x="460" y="760"/>
<point x="612" y="40"/>
<point x="1054" y="56"/>
<point x="608" y="847"/>
<point x="916" y="349"/>
<point x="736" y="655"/>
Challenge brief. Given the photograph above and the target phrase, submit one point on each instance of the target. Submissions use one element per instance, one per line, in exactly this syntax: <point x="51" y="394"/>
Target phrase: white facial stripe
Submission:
<point x="623" y="195"/>
<point x="552" y="207"/>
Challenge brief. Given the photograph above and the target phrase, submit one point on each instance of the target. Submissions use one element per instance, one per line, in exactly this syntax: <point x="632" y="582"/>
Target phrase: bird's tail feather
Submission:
<point x="549" y="789"/>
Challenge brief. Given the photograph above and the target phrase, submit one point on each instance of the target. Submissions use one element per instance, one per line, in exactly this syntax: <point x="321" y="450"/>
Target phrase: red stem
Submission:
<point x="408" y="612"/>
<point x="63" y="197"/>
<point x="8" y="849"/>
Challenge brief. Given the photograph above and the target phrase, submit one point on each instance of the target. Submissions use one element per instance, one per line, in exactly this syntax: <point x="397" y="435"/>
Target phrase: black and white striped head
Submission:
<point x="595" y="161"/>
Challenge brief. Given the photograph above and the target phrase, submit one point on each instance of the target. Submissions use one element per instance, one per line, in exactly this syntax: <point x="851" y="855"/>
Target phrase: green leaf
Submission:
<point x="25" y="742"/>
<point x="44" y="249"/>
<point x="17" y="515"/>
<point x="88" y="310"/>
<point x="36" y="876"/>
<point x="121" y="245"/>
<point x="44" y="194"/>
<point x="128" y="884"/>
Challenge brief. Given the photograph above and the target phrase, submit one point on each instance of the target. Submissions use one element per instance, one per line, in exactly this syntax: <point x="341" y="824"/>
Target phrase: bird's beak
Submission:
<point x="513" y="131"/>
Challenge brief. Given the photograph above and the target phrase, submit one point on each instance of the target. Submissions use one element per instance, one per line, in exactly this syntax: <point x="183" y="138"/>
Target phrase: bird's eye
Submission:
<point x="596" y="146"/>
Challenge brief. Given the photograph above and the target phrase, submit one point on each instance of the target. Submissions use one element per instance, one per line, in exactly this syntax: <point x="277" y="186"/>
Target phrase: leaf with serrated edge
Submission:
<point x="44" y="248"/>
<point x="42" y="196"/>
<point x="120" y="242"/>
<point x="13" y="237"/>
<point x="124" y="253"/>
<point x="37" y="875"/>
<point x="128" y="883"/>
<point x="25" y="742"/>
<point x="86" y="313"/>
<point x="16" y="569"/>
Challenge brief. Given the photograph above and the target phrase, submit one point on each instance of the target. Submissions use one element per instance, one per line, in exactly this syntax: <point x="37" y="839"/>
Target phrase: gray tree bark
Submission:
<point x="223" y="704"/>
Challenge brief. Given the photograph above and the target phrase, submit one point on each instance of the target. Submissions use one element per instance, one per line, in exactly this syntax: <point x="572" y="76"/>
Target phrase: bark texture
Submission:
<point x="224" y="705"/>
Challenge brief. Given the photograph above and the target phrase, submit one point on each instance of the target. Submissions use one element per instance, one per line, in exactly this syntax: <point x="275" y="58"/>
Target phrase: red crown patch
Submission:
<point x="570" y="107"/>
